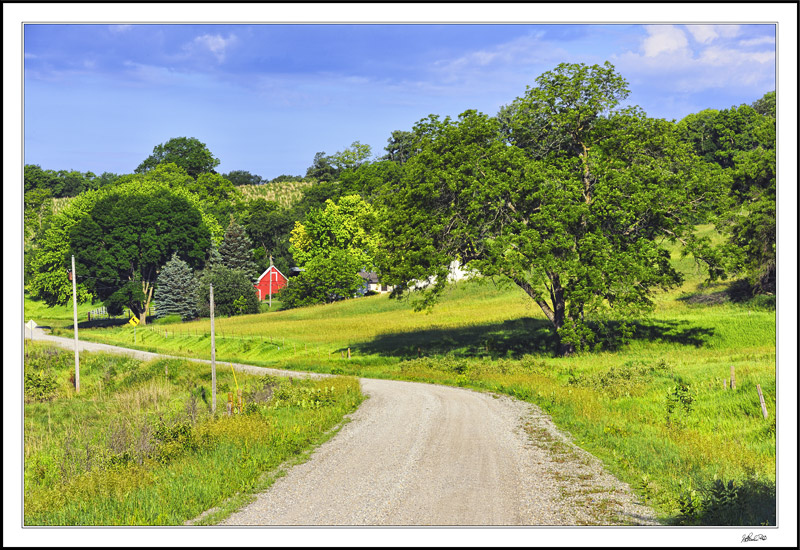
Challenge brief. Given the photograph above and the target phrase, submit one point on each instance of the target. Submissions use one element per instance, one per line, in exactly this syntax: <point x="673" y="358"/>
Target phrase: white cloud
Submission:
<point x="705" y="34"/>
<point x="213" y="43"/>
<point x="727" y="56"/>
<point x="667" y="60"/>
<point x="664" y="39"/>
<point x="120" y="28"/>
<point x="522" y="54"/>
<point x="757" y="41"/>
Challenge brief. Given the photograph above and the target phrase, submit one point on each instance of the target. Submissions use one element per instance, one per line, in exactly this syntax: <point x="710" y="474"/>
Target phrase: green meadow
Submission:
<point x="658" y="409"/>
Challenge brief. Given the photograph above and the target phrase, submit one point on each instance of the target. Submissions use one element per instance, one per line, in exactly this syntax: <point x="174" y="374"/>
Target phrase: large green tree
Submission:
<point x="321" y="169"/>
<point x="121" y="235"/>
<point x="351" y="157"/>
<point x="125" y="240"/>
<point x="326" y="279"/>
<point x="742" y="141"/>
<point x="38" y="214"/>
<point x="189" y="153"/>
<point x="332" y="245"/>
<point x="564" y="193"/>
<point x="400" y="146"/>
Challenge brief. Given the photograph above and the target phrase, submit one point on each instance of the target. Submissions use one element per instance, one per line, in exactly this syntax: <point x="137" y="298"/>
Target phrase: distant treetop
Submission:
<point x="189" y="153"/>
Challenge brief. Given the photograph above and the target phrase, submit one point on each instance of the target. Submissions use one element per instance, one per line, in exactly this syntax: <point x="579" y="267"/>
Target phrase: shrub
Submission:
<point x="230" y="285"/>
<point x="40" y="385"/>
<point x="744" y="502"/>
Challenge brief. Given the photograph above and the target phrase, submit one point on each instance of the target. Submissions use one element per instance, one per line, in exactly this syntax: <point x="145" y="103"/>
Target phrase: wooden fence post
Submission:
<point x="761" y="398"/>
<point x="230" y="403"/>
<point x="733" y="377"/>
<point x="239" y="398"/>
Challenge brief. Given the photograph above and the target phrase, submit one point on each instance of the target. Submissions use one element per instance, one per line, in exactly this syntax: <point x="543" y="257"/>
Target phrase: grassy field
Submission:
<point x="139" y="446"/>
<point x="658" y="410"/>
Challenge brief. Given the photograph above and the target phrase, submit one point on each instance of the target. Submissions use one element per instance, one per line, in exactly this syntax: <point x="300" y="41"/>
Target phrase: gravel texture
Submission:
<point x="421" y="454"/>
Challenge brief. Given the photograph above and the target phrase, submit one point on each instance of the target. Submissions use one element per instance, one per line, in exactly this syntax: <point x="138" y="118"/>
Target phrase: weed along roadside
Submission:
<point x="140" y="446"/>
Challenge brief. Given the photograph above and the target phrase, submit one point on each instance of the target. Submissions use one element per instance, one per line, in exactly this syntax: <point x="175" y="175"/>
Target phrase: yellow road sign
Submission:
<point x="134" y="321"/>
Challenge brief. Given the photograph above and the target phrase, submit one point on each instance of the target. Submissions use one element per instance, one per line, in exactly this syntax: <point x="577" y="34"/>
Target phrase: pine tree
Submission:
<point x="214" y="258"/>
<point x="236" y="250"/>
<point x="174" y="290"/>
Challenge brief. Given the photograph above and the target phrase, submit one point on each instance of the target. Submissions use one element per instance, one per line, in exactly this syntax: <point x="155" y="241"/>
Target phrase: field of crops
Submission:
<point x="285" y="193"/>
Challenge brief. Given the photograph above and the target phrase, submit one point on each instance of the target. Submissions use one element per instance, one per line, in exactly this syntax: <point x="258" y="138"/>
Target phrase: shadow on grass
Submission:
<point x="750" y="502"/>
<point x="519" y="337"/>
<point x="109" y="322"/>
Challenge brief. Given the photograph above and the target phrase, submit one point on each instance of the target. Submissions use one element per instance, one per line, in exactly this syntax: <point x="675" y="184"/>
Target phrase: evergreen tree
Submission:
<point x="236" y="250"/>
<point x="214" y="257"/>
<point x="174" y="288"/>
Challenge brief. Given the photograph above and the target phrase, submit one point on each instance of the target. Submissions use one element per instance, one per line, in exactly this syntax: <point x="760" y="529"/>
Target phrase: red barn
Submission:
<point x="271" y="281"/>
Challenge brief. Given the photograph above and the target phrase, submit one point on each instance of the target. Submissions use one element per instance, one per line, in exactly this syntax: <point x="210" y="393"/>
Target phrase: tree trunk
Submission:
<point x="557" y="314"/>
<point x="148" y="292"/>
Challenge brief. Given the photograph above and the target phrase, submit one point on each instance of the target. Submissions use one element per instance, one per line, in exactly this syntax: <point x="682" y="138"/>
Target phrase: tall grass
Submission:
<point x="139" y="445"/>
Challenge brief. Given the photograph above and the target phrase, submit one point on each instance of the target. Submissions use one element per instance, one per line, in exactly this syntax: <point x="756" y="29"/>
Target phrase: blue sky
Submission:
<point x="265" y="98"/>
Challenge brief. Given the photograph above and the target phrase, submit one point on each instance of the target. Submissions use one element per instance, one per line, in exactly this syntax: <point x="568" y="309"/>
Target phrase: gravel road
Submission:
<point x="420" y="454"/>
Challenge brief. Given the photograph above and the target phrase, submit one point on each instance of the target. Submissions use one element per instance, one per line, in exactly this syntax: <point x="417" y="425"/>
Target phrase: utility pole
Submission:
<point x="75" y="325"/>
<point x="213" y="353"/>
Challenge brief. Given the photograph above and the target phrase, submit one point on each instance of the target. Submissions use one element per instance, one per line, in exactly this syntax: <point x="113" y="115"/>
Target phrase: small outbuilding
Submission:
<point x="372" y="283"/>
<point x="270" y="282"/>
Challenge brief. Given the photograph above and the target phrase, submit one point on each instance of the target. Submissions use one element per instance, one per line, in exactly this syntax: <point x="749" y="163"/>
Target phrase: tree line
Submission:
<point x="564" y="192"/>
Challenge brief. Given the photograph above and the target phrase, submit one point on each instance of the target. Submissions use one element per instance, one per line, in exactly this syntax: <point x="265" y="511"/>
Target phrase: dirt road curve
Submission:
<point x="419" y="454"/>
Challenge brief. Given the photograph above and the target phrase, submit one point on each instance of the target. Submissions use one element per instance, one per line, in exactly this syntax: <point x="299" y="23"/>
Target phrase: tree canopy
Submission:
<point x="126" y="239"/>
<point x="268" y="226"/>
<point x="332" y="245"/>
<point x="121" y="236"/>
<point x="243" y="177"/>
<point x="565" y="194"/>
<point x="741" y="140"/>
<point x="62" y="183"/>
<point x="189" y="153"/>
<point x="234" y="293"/>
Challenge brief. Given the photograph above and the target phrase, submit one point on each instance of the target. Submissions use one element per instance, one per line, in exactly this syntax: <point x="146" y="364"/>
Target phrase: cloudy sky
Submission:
<point x="266" y="97"/>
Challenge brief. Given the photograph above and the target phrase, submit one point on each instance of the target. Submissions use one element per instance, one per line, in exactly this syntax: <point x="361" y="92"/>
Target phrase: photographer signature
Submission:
<point x="751" y="537"/>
